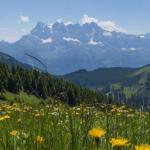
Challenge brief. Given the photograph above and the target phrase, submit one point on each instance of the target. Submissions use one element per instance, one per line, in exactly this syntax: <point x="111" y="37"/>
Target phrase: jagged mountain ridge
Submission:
<point x="65" y="48"/>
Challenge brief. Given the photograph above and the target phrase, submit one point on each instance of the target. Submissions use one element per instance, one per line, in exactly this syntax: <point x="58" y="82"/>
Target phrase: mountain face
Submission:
<point x="64" y="48"/>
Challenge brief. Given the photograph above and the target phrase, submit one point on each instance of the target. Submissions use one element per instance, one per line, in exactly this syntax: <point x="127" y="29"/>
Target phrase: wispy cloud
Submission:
<point x="111" y="26"/>
<point x="24" y="19"/>
<point x="106" y="25"/>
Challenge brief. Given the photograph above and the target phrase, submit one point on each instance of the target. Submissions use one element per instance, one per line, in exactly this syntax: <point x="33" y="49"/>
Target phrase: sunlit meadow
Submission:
<point x="59" y="127"/>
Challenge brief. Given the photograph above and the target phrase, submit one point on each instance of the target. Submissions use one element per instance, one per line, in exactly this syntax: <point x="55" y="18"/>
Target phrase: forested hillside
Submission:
<point x="128" y="85"/>
<point x="44" y="85"/>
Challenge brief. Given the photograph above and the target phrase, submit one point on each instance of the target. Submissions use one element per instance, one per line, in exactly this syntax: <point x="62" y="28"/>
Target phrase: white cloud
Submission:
<point x="111" y="26"/>
<point x="24" y="19"/>
<point x="105" y="25"/>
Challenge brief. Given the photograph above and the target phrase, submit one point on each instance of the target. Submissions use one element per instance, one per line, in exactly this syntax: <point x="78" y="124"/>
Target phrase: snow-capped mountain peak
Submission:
<point x="41" y="30"/>
<point x="67" y="46"/>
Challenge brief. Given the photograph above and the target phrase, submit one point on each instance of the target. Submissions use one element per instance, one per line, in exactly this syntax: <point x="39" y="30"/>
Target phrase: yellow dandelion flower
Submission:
<point x="4" y="117"/>
<point x="119" y="142"/>
<point x="39" y="139"/>
<point x="142" y="147"/>
<point x="14" y="133"/>
<point x="97" y="132"/>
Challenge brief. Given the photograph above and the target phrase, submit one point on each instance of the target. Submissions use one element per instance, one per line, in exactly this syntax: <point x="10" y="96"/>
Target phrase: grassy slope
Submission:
<point x="21" y="97"/>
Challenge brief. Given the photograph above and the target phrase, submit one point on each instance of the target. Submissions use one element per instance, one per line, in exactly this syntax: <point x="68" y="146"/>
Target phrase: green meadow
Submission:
<point x="56" y="126"/>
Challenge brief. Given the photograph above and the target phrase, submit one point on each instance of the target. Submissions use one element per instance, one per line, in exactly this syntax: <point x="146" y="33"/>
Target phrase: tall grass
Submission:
<point x="63" y="128"/>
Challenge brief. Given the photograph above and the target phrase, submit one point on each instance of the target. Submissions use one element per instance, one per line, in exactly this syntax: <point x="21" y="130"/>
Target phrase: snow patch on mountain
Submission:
<point x="107" y="34"/>
<point x="123" y="49"/>
<point x="50" y="26"/>
<point x="92" y="42"/>
<point x="68" y="23"/>
<point x="68" y="39"/>
<point x="49" y="40"/>
<point x="142" y="36"/>
<point x="132" y="49"/>
<point x="128" y="49"/>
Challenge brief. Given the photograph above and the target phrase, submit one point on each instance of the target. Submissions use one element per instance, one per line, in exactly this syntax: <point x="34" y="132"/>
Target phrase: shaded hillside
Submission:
<point x="125" y="84"/>
<point x="102" y="76"/>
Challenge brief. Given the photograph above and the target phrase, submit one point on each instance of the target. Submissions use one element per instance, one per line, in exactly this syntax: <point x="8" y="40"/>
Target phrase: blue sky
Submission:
<point x="18" y="17"/>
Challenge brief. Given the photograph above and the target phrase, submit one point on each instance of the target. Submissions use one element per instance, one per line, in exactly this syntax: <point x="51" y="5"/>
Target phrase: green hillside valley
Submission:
<point x="74" y="74"/>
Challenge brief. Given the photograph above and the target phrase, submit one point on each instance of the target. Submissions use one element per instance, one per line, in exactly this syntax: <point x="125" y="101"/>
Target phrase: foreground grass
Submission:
<point x="59" y="127"/>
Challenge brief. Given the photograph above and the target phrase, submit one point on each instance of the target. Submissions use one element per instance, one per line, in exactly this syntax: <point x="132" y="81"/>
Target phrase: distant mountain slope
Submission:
<point x="66" y="47"/>
<point x="7" y="59"/>
<point x="123" y="83"/>
<point x="101" y="76"/>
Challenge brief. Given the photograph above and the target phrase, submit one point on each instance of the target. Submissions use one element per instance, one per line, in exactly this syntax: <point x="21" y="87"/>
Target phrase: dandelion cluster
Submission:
<point x="59" y="126"/>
